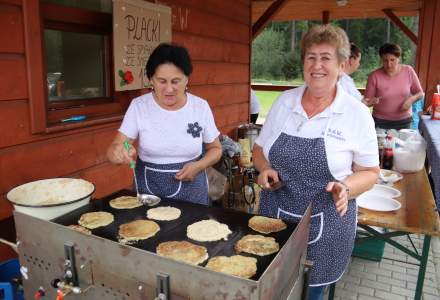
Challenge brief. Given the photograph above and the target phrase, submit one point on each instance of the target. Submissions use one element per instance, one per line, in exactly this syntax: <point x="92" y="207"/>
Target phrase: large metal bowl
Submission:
<point x="50" y="198"/>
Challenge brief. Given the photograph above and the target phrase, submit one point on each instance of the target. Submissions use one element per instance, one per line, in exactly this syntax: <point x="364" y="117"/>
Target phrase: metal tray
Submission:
<point x="176" y="230"/>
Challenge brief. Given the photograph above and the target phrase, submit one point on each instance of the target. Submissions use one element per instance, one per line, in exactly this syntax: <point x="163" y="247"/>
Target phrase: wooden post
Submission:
<point x="268" y="15"/>
<point x="395" y="19"/>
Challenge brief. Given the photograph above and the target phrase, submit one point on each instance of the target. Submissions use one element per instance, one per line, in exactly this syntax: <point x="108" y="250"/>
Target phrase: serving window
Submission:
<point x="70" y="63"/>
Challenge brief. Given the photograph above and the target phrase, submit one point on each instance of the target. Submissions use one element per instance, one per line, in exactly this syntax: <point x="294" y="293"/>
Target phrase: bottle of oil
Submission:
<point x="387" y="159"/>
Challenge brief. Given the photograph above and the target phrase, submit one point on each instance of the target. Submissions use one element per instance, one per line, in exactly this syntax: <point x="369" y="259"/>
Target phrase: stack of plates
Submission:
<point x="380" y="198"/>
<point x="389" y="177"/>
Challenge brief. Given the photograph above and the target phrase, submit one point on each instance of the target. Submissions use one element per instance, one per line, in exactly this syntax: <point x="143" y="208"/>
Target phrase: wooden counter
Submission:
<point x="418" y="213"/>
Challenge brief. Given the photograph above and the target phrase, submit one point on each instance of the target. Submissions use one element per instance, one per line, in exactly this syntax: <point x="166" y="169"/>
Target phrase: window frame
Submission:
<point x="46" y="116"/>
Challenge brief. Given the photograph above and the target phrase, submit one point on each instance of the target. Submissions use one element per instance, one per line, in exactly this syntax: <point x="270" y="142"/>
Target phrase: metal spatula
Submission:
<point x="147" y="199"/>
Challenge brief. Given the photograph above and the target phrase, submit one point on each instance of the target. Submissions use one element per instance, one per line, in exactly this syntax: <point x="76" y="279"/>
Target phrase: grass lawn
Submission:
<point x="266" y="100"/>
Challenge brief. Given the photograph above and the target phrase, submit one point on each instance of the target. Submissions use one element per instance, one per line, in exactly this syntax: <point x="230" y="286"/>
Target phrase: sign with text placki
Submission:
<point x="138" y="27"/>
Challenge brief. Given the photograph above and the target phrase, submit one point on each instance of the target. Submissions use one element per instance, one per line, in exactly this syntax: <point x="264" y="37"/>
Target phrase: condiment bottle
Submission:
<point x="387" y="159"/>
<point x="435" y="114"/>
<point x="381" y="144"/>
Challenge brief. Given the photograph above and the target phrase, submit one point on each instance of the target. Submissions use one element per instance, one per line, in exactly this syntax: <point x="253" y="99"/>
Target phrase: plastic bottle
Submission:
<point x="435" y="114"/>
<point x="387" y="159"/>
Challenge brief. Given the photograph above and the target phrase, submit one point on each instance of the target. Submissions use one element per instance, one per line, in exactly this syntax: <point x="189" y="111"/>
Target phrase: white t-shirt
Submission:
<point x="348" y="85"/>
<point x="255" y="104"/>
<point x="351" y="136"/>
<point x="163" y="134"/>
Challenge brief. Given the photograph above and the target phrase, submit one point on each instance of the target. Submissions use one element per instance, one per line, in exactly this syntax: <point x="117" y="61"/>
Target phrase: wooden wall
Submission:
<point x="217" y="35"/>
<point x="428" y="58"/>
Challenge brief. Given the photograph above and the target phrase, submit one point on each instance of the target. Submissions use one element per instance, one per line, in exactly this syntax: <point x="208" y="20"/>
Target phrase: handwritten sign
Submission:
<point x="138" y="27"/>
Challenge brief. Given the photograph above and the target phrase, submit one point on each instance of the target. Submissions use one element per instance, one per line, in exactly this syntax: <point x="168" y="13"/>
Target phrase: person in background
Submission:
<point x="321" y="142"/>
<point x="175" y="132"/>
<point x="392" y="89"/>
<point x="350" y="67"/>
<point x="254" y="107"/>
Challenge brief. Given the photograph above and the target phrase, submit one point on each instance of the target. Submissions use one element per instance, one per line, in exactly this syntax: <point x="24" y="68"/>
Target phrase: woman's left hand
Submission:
<point x="188" y="172"/>
<point x="407" y="104"/>
<point x="340" y="196"/>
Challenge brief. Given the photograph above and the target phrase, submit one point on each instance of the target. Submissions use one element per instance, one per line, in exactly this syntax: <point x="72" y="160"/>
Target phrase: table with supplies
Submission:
<point x="418" y="214"/>
<point x="430" y="129"/>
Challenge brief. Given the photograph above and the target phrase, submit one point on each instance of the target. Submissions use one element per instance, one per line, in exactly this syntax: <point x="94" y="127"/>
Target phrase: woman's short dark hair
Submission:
<point x="169" y="53"/>
<point x="389" y="48"/>
<point x="355" y="51"/>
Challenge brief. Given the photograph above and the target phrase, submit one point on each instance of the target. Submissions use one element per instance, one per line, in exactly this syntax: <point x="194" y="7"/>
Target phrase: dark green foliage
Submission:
<point x="273" y="58"/>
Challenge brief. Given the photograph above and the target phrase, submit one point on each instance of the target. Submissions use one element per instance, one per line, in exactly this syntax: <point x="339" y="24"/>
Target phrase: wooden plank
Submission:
<point x="426" y="23"/>
<point x="12" y="2"/>
<point x="108" y="178"/>
<point x="433" y="76"/>
<point x="15" y="129"/>
<point x="90" y="112"/>
<point x="225" y="94"/>
<point x="197" y="22"/>
<point x="5" y="207"/>
<point x="219" y="73"/>
<point x="36" y="79"/>
<point x="72" y="15"/>
<point x="231" y="114"/>
<point x="219" y="8"/>
<point x="231" y="129"/>
<point x="213" y="50"/>
<point x="396" y="21"/>
<point x="52" y="158"/>
<point x="359" y="9"/>
<point x="268" y="87"/>
<point x="275" y="7"/>
<point x="13" y="81"/>
<point x="6" y="252"/>
<point x="11" y="33"/>
<point x="418" y="213"/>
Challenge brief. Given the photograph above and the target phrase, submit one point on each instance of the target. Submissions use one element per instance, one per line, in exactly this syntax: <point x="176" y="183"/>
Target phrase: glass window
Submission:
<point x="75" y="64"/>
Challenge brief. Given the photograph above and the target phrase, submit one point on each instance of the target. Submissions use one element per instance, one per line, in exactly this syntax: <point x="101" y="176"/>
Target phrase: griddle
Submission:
<point x="176" y="230"/>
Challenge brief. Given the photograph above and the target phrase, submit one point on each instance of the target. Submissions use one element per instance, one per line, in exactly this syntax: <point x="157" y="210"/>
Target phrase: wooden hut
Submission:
<point x="34" y="144"/>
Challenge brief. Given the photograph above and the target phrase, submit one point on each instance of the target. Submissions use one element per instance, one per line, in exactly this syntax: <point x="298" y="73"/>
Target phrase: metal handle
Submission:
<point x="10" y="244"/>
<point x="127" y="147"/>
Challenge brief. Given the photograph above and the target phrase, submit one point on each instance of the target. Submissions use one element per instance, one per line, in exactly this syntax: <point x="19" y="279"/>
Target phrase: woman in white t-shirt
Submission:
<point x="350" y="67"/>
<point x="321" y="143"/>
<point x="176" y="133"/>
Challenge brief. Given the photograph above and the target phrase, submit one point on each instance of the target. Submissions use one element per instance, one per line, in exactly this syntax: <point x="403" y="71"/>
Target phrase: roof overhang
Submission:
<point x="337" y="9"/>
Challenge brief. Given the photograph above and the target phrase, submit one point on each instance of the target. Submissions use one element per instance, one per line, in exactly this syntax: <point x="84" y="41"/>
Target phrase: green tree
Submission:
<point x="268" y="55"/>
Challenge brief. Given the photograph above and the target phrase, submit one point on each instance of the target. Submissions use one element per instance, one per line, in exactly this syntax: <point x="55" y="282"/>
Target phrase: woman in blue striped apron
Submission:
<point x="321" y="142"/>
<point x="175" y="130"/>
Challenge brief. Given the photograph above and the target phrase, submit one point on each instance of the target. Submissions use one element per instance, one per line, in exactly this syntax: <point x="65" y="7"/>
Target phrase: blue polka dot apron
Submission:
<point x="331" y="236"/>
<point x="158" y="179"/>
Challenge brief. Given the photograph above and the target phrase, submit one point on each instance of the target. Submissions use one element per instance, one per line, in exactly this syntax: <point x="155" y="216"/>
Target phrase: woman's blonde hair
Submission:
<point x="327" y="34"/>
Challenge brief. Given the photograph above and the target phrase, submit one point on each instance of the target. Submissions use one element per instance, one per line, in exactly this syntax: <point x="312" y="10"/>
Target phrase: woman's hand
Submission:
<point x="267" y="178"/>
<point x="371" y="101"/>
<point x="340" y="196"/>
<point x="117" y="153"/>
<point x="188" y="172"/>
<point x="407" y="104"/>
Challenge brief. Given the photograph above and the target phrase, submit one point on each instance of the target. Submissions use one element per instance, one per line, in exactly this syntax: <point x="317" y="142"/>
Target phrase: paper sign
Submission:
<point x="138" y="27"/>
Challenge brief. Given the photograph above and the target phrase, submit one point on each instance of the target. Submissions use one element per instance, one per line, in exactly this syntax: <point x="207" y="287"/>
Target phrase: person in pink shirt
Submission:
<point x="392" y="89"/>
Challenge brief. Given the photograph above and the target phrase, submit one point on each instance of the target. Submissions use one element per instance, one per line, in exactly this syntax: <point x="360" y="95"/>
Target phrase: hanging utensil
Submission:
<point x="147" y="199"/>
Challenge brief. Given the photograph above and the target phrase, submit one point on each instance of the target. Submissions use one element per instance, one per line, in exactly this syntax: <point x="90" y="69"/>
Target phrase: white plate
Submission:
<point x="378" y="203"/>
<point x="390" y="176"/>
<point x="384" y="191"/>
